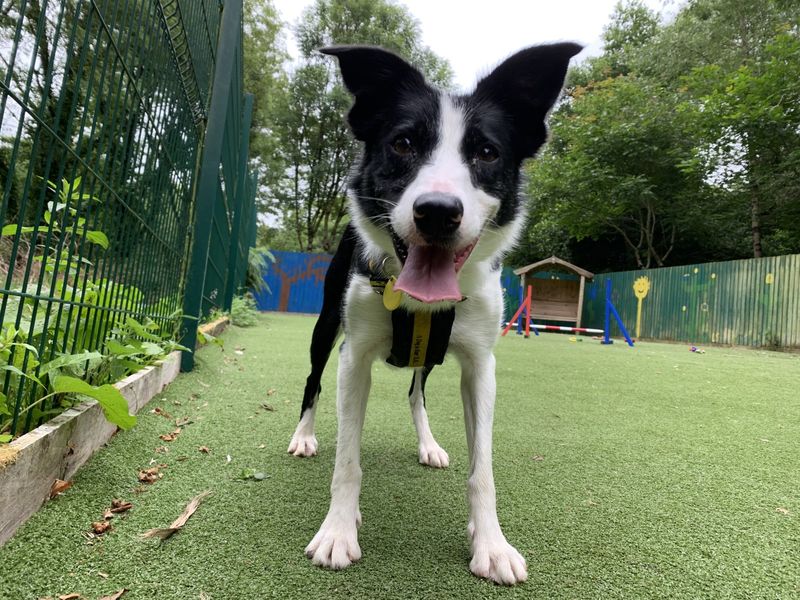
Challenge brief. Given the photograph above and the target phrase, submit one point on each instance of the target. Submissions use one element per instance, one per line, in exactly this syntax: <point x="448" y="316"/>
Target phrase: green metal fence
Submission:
<point x="123" y="175"/>
<point x="752" y="302"/>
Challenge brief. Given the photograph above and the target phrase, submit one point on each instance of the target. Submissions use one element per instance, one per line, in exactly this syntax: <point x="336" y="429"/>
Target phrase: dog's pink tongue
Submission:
<point x="429" y="275"/>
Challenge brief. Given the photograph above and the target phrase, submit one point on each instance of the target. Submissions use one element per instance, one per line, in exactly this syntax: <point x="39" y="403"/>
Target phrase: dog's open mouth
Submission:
<point x="430" y="273"/>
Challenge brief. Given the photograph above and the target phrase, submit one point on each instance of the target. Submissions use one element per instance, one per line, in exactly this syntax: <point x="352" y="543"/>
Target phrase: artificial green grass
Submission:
<point x="650" y="472"/>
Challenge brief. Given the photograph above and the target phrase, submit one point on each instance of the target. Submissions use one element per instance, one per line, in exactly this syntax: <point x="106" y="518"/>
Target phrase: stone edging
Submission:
<point x="56" y="450"/>
<point x="215" y="327"/>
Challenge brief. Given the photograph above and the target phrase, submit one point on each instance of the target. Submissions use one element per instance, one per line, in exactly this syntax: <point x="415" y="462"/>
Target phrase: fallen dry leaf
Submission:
<point x="162" y="450"/>
<point x="115" y="596"/>
<point x="150" y="475"/>
<point x="182" y="422"/>
<point x="171" y="437"/>
<point x="162" y="412"/>
<point x="120" y="506"/>
<point x="103" y="575"/>
<point x="107" y="514"/>
<point x="270" y="391"/>
<point x="182" y="458"/>
<point x="69" y="597"/>
<point x="177" y="524"/>
<point x="59" y="487"/>
<point x="538" y="457"/>
<point x="267" y="407"/>
<point x="101" y="527"/>
<point x="783" y="511"/>
<point x="204" y="449"/>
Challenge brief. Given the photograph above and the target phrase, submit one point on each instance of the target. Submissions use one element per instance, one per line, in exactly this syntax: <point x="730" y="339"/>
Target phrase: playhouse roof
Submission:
<point x="549" y="262"/>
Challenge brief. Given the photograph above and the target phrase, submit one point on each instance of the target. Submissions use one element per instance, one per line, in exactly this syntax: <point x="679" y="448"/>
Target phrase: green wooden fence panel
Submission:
<point x="754" y="302"/>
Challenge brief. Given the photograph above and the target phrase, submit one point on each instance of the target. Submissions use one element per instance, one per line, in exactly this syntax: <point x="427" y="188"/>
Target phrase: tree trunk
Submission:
<point x="755" y="224"/>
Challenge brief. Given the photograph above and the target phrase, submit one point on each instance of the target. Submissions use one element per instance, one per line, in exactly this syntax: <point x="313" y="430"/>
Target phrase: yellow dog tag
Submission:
<point x="391" y="297"/>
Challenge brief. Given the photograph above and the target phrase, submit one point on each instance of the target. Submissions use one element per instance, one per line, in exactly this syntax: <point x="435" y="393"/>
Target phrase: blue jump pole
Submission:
<point x="610" y="309"/>
<point x="607" y="327"/>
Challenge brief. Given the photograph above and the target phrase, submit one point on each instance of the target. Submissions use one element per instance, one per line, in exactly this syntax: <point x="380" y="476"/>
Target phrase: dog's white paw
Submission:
<point x="433" y="455"/>
<point x="336" y="544"/>
<point x="498" y="561"/>
<point x="303" y="444"/>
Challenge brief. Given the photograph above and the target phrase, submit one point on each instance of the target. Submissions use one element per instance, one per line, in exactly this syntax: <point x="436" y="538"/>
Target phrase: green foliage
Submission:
<point x="130" y="347"/>
<point x="48" y="353"/>
<point x="243" y="311"/>
<point x="264" y="76"/>
<point x="258" y="261"/>
<point x="113" y="403"/>
<point x="375" y="22"/>
<point x="679" y="144"/>
<point x="307" y="130"/>
<point x="614" y="164"/>
<point x="751" y="126"/>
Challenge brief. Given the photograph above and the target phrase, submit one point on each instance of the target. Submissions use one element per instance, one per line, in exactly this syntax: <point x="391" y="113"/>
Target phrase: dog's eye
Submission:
<point x="402" y="145"/>
<point x="487" y="153"/>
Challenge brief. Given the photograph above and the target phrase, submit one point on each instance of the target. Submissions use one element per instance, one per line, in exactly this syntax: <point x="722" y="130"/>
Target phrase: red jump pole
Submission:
<point x="528" y="313"/>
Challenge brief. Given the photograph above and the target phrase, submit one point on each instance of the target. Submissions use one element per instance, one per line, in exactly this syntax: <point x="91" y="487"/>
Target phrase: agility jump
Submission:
<point x="525" y="307"/>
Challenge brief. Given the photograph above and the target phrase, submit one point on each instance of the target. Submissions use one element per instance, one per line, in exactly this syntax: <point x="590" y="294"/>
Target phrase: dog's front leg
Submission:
<point x="492" y="556"/>
<point x="430" y="452"/>
<point x="336" y="543"/>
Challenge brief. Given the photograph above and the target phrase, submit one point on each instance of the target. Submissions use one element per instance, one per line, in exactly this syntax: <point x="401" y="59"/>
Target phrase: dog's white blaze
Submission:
<point x="446" y="172"/>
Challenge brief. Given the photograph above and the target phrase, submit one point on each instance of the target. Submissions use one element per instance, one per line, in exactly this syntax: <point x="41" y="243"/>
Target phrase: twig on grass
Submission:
<point x="177" y="524"/>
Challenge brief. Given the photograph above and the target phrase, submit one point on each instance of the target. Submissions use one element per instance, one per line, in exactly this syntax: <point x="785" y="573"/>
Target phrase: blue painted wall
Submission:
<point x="296" y="280"/>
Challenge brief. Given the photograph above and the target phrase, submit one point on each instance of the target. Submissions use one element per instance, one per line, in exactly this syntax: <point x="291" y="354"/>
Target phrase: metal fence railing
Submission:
<point x="123" y="175"/>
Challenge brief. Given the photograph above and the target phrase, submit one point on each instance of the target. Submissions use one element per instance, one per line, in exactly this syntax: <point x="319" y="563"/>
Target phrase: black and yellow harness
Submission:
<point x="419" y="339"/>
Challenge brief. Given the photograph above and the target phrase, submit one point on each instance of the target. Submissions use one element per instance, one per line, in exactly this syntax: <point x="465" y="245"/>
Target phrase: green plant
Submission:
<point x="61" y="222"/>
<point x="53" y="354"/>
<point x="243" y="311"/>
<point x="258" y="261"/>
<point x="60" y="379"/>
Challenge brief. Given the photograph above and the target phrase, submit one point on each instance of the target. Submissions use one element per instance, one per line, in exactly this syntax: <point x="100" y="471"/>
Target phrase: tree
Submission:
<point x="741" y="61"/>
<point x="309" y="127"/>
<point x="680" y="142"/>
<point x="265" y="77"/>
<point x="751" y="121"/>
<point x="614" y="166"/>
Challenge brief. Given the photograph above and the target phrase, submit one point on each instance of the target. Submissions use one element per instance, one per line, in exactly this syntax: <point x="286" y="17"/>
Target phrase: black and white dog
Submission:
<point x="434" y="206"/>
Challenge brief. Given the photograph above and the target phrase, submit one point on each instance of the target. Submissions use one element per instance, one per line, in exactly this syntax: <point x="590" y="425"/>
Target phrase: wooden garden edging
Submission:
<point x="56" y="450"/>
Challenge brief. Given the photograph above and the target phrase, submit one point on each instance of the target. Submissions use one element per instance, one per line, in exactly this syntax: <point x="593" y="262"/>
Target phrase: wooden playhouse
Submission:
<point x="556" y="289"/>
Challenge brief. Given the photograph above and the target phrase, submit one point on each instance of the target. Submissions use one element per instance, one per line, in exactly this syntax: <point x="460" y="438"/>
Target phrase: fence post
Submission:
<point x="242" y="193"/>
<point x="208" y="177"/>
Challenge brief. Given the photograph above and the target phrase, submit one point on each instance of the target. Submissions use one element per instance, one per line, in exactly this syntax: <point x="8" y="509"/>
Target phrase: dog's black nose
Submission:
<point x="437" y="215"/>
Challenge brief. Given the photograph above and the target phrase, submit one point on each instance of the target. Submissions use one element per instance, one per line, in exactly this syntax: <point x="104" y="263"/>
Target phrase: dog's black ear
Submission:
<point x="526" y="86"/>
<point x="375" y="77"/>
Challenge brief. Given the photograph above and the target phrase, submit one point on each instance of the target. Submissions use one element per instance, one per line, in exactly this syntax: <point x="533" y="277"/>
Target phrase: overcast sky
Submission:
<point x="476" y="35"/>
